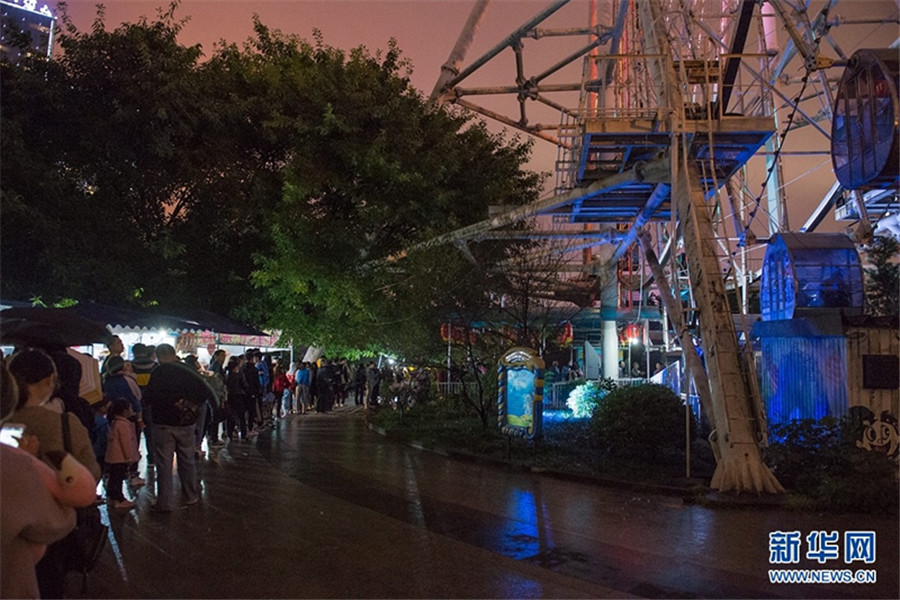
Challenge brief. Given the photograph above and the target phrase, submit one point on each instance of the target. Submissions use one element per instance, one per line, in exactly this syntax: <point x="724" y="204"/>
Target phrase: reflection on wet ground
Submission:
<point x="322" y="507"/>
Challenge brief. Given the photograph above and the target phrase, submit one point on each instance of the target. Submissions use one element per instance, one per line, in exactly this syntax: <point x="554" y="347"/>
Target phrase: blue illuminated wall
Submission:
<point x="803" y="377"/>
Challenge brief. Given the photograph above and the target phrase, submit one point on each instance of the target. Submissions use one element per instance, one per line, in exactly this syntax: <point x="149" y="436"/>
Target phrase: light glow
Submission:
<point x="31" y="5"/>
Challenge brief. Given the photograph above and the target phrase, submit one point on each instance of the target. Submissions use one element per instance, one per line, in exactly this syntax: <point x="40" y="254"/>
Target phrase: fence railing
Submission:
<point x="449" y="388"/>
<point x="557" y="393"/>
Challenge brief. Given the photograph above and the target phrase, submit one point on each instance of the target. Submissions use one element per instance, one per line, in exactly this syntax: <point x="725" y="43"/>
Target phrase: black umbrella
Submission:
<point x="49" y="327"/>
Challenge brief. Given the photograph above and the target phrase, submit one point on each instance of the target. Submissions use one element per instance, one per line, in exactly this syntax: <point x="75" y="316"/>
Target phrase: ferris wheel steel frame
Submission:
<point x="668" y="106"/>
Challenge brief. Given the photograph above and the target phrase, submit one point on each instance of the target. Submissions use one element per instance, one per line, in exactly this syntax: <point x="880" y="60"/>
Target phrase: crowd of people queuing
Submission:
<point x="173" y="403"/>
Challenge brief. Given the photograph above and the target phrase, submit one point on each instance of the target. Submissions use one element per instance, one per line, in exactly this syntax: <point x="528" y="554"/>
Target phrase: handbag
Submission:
<point x="82" y="547"/>
<point x="186" y="411"/>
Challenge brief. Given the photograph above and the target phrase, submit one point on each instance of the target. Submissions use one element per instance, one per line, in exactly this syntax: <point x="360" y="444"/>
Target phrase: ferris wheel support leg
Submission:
<point x="740" y="468"/>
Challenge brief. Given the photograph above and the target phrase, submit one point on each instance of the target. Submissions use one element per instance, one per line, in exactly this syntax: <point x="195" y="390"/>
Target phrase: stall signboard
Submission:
<point x="250" y="341"/>
<point x="520" y="377"/>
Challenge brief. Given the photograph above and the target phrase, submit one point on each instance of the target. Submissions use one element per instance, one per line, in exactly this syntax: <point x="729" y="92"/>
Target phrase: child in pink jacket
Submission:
<point x="121" y="451"/>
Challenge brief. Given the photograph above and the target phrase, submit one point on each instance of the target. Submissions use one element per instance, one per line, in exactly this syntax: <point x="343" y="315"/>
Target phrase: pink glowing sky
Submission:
<point x="426" y="31"/>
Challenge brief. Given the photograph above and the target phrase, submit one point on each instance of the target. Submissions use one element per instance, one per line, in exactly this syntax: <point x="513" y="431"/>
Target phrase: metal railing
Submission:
<point x="557" y="393"/>
<point x="449" y="388"/>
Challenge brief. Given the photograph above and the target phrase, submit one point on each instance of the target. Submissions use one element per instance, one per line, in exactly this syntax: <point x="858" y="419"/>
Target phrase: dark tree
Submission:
<point x="883" y="278"/>
<point x="271" y="182"/>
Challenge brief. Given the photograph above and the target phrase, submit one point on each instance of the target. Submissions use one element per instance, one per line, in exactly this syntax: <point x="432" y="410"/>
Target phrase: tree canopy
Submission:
<point x="270" y="181"/>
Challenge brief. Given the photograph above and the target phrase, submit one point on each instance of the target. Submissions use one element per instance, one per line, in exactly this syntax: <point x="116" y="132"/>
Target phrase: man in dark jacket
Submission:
<point x="175" y="395"/>
<point x="324" y="387"/>
<point x="373" y="381"/>
<point x="254" y="388"/>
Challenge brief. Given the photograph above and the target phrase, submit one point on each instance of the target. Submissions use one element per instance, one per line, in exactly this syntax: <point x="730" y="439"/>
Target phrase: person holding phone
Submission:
<point x="35" y="375"/>
<point x="31" y="517"/>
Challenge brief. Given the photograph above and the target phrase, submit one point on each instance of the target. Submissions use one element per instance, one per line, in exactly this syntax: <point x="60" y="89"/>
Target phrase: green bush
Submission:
<point x="641" y="422"/>
<point x="820" y="462"/>
<point x="586" y="397"/>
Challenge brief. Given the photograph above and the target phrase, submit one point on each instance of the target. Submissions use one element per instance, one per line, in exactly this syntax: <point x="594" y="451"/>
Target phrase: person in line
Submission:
<point x="266" y="400"/>
<point x="291" y="374"/>
<point x="142" y="366"/>
<point x="35" y="375"/>
<point x="31" y="516"/>
<point x="118" y="383"/>
<point x="281" y="386"/>
<point x="237" y="405"/>
<point x="100" y="434"/>
<point x="205" y="416"/>
<point x="325" y="386"/>
<point x="373" y="382"/>
<point x="143" y="363"/>
<point x="176" y="393"/>
<point x="131" y="379"/>
<point x="254" y="391"/>
<point x="359" y="385"/>
<point x="68" y="372"/>
<point x="313" y="385"/>
<point x="216" y="380"/>
<point x="340" y="381"/>
<point x="121" y="451"/>
<point x="116" y="349"/>
<point x="301" y="381"/>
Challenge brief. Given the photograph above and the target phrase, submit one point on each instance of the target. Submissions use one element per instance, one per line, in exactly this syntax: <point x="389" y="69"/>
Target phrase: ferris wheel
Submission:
<point x="757" y="84"/>
<point x="699" y="130"/>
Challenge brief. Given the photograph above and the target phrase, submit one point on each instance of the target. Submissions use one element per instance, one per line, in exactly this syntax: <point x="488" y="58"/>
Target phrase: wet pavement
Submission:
<point x="322" y="507"/>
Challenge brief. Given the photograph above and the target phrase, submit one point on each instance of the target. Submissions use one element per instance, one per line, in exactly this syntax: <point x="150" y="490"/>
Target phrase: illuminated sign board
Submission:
<point x="25" y="28"/>
<point x="520" y="376"/>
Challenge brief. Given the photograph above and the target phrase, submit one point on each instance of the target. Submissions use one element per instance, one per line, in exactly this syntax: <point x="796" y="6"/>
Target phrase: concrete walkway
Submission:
<point x="321" y="507"/>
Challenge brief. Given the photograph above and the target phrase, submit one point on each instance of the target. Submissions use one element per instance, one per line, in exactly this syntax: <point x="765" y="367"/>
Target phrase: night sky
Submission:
<point x="426" y="31"/>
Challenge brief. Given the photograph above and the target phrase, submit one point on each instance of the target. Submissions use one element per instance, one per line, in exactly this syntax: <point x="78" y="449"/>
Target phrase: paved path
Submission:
<point x="321" y="507"/>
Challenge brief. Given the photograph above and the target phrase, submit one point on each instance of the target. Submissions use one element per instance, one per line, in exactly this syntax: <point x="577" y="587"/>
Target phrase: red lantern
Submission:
<point x="566" y="336"/>
<point x="633" y="333"/>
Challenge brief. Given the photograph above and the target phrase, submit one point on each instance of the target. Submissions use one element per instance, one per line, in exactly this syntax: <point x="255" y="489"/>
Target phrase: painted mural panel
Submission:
<point x="520" y="377"/>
